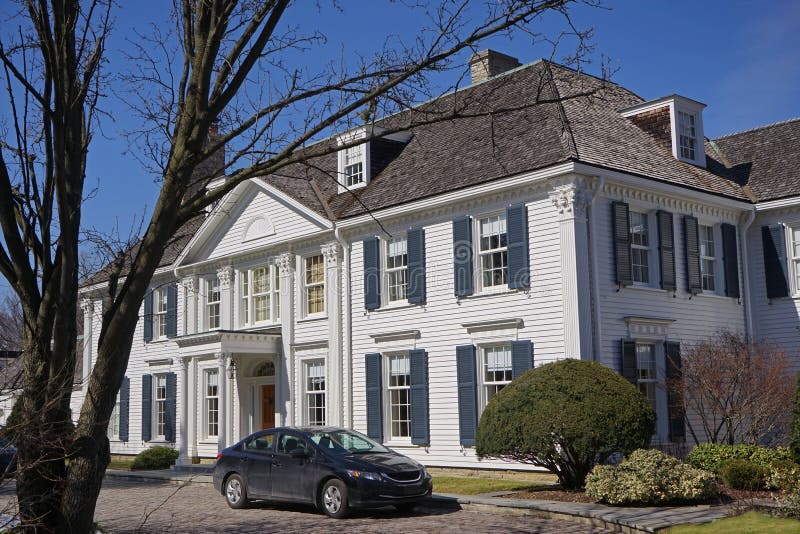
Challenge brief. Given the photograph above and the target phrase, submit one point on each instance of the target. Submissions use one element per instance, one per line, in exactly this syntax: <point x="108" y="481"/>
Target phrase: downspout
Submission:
<point x="595" y="269"/>
<point x="347" y="325"/>
<point x="748" y="306"/>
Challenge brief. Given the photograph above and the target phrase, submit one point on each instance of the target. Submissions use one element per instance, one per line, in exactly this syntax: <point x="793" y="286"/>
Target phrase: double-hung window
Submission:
<point x="687" y="134"/>
<point x="160" y="405"/>
<point x="495" y="369"/>
<point x="314" y="278"/>
<point x="707" y="258"/>
<point x="160" y="313"/>
<point x="399" y="394"/>
<point x="493" y="251"/>
<point x="354" y="165"/>
<point x="646" y="376"/>
<point x="640" y="247"/>
<point x="213" y="300"/>
<point x="113" y="422"/>
<point x="315" y="392"/>
<point x="795" y="233"/>
<point x="211" y="395"/>
<point x="259" y="293"/>
<point x="396" y="269"/>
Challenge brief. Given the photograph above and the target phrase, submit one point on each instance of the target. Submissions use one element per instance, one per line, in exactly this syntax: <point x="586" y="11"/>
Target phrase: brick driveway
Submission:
<point x="130" y="506"/>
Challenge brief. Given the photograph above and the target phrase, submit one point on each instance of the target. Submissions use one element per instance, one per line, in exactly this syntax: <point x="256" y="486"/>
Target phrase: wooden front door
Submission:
<point x="268" y="406"/>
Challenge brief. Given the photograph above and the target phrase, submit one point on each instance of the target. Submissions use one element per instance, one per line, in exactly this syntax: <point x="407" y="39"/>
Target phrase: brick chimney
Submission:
<point x="487" y="63"/>
<point x="212" y="167"/>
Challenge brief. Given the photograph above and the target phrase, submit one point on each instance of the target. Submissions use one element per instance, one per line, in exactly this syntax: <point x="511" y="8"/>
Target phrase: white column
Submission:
<point x="571" y="200"/>
<point x="190" y="305"/>
<point x="191" y="426"/>
<point x="183" y="434"/>
<point x="222" y="367"/>
<point x="333" y="306"/>
<point x="87" y="305"/>
<point x="225" y="276"/>
<point x="284" y="371"/>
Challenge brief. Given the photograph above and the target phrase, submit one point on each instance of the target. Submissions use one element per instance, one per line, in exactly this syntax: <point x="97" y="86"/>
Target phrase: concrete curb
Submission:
<point x="620" y="519"/>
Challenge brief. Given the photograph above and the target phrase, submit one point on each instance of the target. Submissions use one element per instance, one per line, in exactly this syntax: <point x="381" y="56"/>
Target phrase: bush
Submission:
<point x="711" y="456"/>
<point x="155" y="458"/>
<point x="794" y="437"/>
<point x="650" y="477"/>
<point x="784" y="476"/>
<point x="565" y="416"/>
<point x="743" y="475"/>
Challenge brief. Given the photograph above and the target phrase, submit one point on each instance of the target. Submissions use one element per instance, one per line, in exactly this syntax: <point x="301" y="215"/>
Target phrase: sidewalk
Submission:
<point x="621" y="519"/>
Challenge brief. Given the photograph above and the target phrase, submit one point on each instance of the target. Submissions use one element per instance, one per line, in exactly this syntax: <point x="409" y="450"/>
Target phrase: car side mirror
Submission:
<point x="298" y="453"/>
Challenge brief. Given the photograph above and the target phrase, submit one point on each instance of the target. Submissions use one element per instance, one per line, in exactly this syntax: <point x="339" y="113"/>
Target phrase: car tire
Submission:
<point x="333" y="499"/>
<point x="235" y="492"/>
<point x="406" y="507"/>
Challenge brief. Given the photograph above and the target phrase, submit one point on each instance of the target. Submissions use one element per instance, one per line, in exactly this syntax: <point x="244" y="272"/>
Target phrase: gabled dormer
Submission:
<point x="674" y="121"/>
<point x="360" y="161"/>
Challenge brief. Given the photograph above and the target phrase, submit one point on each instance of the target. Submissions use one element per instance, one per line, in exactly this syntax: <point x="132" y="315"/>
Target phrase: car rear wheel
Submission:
<point x="235" y="492"/>
<point x="334" y="499"/>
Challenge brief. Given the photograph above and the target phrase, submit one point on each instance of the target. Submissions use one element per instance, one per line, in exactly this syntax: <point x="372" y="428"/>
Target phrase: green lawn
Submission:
<point x="475" y="485"/>
<point x="749" y="523"/>
<point x="120" y="464"/>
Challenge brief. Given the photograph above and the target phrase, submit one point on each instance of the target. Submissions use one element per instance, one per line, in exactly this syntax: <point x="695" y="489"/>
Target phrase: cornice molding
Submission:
<point x="664" y="201"/>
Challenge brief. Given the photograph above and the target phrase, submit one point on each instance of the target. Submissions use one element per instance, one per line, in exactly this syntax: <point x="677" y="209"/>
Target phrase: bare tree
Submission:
<point x="735" y="391"/>
<point x="10" y="323"/>
<point x="230" y="64"/>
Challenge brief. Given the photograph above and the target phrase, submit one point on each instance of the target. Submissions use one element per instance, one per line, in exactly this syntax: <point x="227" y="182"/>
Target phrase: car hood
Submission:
<point x="385" y="462"/>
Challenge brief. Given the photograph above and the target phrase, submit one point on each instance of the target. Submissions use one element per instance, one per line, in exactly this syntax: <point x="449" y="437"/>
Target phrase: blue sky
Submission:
<point x="741" y="58"/>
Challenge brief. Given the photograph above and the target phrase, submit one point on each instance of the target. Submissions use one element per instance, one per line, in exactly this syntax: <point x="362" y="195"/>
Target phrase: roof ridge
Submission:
<point x="764" y="127"/>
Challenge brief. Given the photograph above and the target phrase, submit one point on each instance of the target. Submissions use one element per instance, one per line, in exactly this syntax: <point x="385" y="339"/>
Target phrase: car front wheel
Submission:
<point x="334" y="499"/>
<point x="235" y="492"/>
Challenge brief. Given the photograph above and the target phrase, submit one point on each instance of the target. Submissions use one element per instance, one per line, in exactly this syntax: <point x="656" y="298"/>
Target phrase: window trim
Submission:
<point x="304" y="287"/>
<point x="160" y="310"/>
<point x="386" y="301"/>
<point x="154" y="434"/>
<point x="716" y="242"/>
<point x="650" y="248"/>
<point x="480" y="353"/>
<point x="208" y="371"/>
<point x="794" y="259"/>
<point x="306" y="363"/>
<point x="661" y="434"/>
<point x="693" y="120"/>
<point x="388" y="436"/>
<point x="207" y="287"/>
<point x="246" y="308"/>
<point x="476" y="245"/>
<point x="364" y="160"/>
<point x="115" y="420"/>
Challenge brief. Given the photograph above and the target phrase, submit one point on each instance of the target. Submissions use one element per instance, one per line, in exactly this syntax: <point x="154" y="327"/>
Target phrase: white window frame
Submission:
<point x="351" y="156"/>
<point x="484" y="384"/>
<point x="794" y="256"/>
<point x="159" y="404"/>
<point x="309" y="392"/>
<point x="160" y="313"/>
<point x="389" y="272"/>
<point x="687" y="130"/>
<point x="650" y="251"/>
<point x="211" y="402"/>
<point x="208" y="304"/>
<point x="305" y="286"/>
<point x="705" y="259"/>
<point x="479" y="253"/>
<point x="388" y="388"/>
<point x="114" y="421"/>
<point x="659" y="380"/>
<point x="247" y="296"/>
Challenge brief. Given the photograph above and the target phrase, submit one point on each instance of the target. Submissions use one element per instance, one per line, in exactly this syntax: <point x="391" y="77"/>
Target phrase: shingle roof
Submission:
<point x="766" y="160"/>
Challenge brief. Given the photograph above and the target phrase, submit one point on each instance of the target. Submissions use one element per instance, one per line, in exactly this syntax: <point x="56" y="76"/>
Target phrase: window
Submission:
<point x="276" y="293"/>
<point x="160" y="313"/>
<point x="687" y="134"/>
<point x="396" y="268"/>
<point x="795" y="233"/>
<point x="495" y="370"/>
<point x="315" y="284"/>
<point x="212" y="402"/>
<point x="260" y="444"/>
<point x="160" y="405"/>
<point x="707" y="258"/>
<point x="315" y="392"/>
<point x="646" y="377"/>
<point x="640" y="247"/>
<point x="260" y="295"/>
<point x="399" y="386"/>
<point x="354" y="165"/>
<point x="492" y="251"/>
<point x="113" y="422"/>
<point x="213" y="299"/>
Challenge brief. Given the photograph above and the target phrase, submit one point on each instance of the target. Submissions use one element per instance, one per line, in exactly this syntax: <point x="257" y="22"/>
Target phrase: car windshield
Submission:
<point x="345" y="442"/>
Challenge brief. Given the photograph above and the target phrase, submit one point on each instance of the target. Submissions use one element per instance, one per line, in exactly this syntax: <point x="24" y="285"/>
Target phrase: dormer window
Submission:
<point x="354" y="166"/>
<point x="687" y="133"/>
<point x="359" y="162"/>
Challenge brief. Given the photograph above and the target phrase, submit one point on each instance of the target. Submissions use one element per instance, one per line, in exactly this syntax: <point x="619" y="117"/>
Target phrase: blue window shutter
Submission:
<point x="372" y="273"/>
<point x="517" y="238"/>
<point x="147" y="407"/>
<point x="462" y="257"/>
<point x="172" y="310"/>
<point x="628" y="367"/>
<point x="621" y="226"/>
<point x="172" y="393"/>
<point x="124" y="408"/>
<point x="666" y="249"/>
<point x="677" y="426"/>
<point x="691" y="247"/>
<point x="148" y="316"/>
<point x="466" y="371"/>
<point x="730" y="260"/>
<point x="415" y="241"/>
<point x="420" y="431"/>
<point x="775" y="262"/>
<point x="374" y="397"/>
<point x="521" y="357"/>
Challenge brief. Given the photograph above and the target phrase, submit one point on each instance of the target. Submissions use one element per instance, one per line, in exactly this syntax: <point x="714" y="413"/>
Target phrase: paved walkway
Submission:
<point x="650" y="519"/>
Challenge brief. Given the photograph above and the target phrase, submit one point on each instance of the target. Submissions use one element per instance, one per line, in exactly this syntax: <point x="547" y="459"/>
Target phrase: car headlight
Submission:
<point x="366" y="475"/>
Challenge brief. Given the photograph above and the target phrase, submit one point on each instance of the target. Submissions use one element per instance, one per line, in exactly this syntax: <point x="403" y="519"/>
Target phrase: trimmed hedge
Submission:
<point x="711" y="456"/>
<point x="744" y="475"/>
<point x="650" y="477"/>
<point x="155" y="458"/>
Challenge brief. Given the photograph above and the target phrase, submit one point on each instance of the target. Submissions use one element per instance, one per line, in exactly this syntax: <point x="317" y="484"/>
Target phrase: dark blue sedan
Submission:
<point x="334" y="469"/>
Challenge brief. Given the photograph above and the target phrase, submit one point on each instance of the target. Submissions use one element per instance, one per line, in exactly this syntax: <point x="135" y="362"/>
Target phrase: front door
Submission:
<point x="268" y="406"/>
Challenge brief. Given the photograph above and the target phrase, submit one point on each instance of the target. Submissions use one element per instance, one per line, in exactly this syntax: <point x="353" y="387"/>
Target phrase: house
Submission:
<point x="395" y="285"/>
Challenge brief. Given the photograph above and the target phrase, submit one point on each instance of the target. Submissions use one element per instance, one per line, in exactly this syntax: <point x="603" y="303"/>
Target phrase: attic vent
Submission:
<point x="487" y="63"/>
<point x="258" y="227"/>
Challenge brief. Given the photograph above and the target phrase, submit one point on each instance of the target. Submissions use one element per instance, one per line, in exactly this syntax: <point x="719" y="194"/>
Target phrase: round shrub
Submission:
<point x="155" y="458"/>
<point x="712" y="456"/>
<point x="650" y="477"/>
<point x="565" y="416"/>
<point x="743" y="475"/>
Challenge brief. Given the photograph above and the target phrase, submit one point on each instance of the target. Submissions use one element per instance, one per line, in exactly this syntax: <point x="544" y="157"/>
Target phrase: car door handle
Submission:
<point x="276" y="463"/>
<point x="243" y="459"/>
